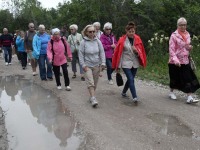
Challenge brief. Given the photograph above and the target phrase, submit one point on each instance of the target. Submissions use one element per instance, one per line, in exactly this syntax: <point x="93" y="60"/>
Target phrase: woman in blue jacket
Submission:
<point x="21" y="49"/>
<point x="40" y="42"/>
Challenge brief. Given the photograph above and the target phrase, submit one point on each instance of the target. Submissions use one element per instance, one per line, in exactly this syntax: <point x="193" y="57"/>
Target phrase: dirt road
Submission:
<point x="156" y="123"/>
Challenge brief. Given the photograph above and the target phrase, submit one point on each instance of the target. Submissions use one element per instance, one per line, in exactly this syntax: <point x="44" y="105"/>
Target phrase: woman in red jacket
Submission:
<point x="129" y="55"/>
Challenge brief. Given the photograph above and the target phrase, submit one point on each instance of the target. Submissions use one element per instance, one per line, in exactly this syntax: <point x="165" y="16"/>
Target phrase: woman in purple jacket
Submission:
<point x="109" y="43"/>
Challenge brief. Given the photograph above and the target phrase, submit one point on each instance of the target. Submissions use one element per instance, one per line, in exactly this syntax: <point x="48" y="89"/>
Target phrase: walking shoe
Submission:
<point x="6" y="64"/>
<point x="68" y="88"/>
<point x="29" y="64"/>
<point x="34" y="73"/>
<point x="74" y="76"/>
<point x="110" y="82"/>
<point x="190" y="100"/>
<point x="50" y="78"/>
<point x="23" y="68"/>
<point x="124" y="95"/>
<point x="172" y="96"/>
<point x="93" y="101"/>
<point x="82" y="79"/>
<point x="10" y="63"/>
<point x="135" y="100"/>
<point x="59" y="87"/>
<point x="44" y="79"/>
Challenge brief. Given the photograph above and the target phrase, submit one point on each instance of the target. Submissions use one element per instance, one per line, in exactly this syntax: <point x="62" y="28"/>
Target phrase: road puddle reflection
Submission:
<point x="35" y="118"/>
<point x="171" y="125"/>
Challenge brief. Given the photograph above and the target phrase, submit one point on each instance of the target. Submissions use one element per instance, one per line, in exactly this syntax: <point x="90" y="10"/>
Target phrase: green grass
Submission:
<point x="157" y="70"/>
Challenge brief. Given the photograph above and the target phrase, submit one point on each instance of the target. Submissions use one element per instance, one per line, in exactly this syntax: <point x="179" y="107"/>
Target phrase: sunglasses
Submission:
<point x="108" y="29"/>
<point x="91" y="31"/>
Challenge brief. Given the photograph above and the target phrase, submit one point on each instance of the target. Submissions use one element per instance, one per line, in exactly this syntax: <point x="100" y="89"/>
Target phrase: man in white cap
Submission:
<point x="74" y="40"/>
<point x="97" y="26"/>
<point x="6" y="41"/>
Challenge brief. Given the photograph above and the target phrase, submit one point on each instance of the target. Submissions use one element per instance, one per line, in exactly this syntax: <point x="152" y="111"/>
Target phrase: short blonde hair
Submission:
<point x="181" y="20"/>
<point x="84" y="32"/>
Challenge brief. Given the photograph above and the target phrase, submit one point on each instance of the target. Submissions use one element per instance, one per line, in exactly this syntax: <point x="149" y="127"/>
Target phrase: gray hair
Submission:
<point x="181" y="20"/>
<point x="41" y="26"/>
<point x="5" y="29"/>
<point x="30" y="24"/>
<point x="74" y="26"/>
<point x="97" y="24"/>
<point x="107" y="25"/>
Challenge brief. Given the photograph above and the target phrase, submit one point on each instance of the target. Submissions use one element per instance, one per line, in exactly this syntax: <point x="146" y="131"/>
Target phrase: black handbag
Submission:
<point x="119" y="79"/>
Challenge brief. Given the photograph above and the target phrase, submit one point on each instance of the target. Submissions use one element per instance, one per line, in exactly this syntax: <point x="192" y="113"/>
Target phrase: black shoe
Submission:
<point x="74" y="76"/>
<point x="82" y="79"/>
<point x="44" y="79"/>
<point x="50" y="79"/>
<point x="23" y="68"/>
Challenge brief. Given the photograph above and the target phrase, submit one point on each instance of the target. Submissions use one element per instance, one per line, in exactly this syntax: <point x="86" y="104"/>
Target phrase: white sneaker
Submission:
<point x="135" y="100"/>
<point x="110" y="82"/>
<point x="59" y="87"/>
<point x="29" y="64"/>
<point x="172" y="96"/>
<point x="34" y="73"/>
<point x="6" y="64"/>
<point x="68" y="88"/>
<point x="190" y="100"/>
<point x="93" y="101"/>
<point x="10" y="63"/>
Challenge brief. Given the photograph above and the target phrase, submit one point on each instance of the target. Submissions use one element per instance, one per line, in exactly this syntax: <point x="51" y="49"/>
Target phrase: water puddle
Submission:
<point x="35" y="118"/>
<point x="171" y="125"/>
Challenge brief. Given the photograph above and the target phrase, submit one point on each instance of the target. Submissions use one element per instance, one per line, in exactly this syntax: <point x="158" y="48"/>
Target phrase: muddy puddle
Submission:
<point x="35" y="118"/>
<point x="171" y="125"/>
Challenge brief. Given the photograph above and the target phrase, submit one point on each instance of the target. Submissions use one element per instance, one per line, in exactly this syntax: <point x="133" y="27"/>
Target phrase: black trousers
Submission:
<point x="23" y="57"/>
<point x="56" y="70"/>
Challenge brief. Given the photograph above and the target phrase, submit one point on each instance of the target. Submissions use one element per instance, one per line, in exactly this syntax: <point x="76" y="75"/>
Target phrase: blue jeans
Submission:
<point x="43" y="72"/>
<point x="7" y="54"/>
<point x="130" y="74"/>
<point x="109" y="68"/>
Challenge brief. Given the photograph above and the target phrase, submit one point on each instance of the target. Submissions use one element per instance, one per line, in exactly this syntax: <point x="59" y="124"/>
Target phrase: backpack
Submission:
<point x="53" y="50"/>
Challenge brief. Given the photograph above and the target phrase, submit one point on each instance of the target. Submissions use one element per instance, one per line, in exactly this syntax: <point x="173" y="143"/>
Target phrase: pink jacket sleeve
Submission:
<point x="172" y="49"/>
<point x="69" y="53"/>
<point x="49" y="51"/>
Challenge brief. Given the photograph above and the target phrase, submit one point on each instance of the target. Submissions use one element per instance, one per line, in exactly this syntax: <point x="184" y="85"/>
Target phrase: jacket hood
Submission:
<point x="87" y="39"/>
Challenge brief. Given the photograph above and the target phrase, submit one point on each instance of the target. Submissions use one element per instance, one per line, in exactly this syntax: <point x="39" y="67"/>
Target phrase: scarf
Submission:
<point x="183" y="35"/>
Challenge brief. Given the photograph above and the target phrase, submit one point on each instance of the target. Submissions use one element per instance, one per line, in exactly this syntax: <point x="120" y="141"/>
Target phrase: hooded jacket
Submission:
<point x="57" y="56"/>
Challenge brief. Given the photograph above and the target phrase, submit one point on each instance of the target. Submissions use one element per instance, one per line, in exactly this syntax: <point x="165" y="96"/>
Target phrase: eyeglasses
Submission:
<point x="91" y="31"/>
<point x="31" y="27"/>
<point x="108" y="29"/>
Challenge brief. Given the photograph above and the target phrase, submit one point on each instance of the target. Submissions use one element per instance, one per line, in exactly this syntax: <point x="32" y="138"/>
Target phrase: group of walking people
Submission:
<point x="95" y="50"/>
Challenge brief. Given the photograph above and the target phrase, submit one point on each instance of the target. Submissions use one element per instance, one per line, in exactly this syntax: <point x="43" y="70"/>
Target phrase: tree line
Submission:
<point x="150" y="16"/>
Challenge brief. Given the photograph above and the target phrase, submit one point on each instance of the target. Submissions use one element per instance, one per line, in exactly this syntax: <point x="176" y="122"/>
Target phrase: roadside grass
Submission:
<point x="157" y="70"/>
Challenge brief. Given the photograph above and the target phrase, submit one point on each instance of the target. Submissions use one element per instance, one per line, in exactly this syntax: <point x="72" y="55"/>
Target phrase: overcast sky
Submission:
<point x="50" y="3"/>
<point x="45" y="3"/>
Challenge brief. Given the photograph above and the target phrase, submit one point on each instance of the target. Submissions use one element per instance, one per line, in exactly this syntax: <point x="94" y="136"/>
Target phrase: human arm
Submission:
<point x="81" y="56"/>
<point x="49" y="52"/>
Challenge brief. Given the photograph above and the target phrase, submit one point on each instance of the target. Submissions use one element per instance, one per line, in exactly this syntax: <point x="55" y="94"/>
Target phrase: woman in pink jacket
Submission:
<point x="181" y="74"/>
<point x="56" y="53"/>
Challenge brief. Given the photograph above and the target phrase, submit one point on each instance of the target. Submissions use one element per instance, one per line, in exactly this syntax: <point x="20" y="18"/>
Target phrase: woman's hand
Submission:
<point x="85" y="69"/>
<point x="188" y="47"/>
<point x="134" y="49"/>
<point x="178" y="64"/>
<point x="113" y="46"/>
